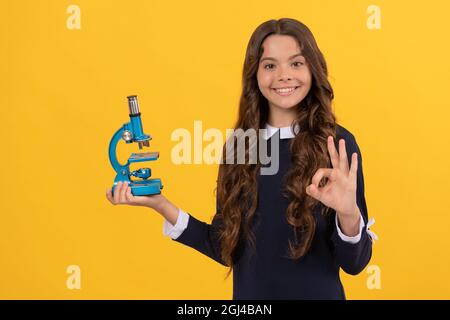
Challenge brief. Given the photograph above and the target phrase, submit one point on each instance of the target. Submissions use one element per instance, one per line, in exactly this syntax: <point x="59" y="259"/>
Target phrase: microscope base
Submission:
<point x="144" y="187"/>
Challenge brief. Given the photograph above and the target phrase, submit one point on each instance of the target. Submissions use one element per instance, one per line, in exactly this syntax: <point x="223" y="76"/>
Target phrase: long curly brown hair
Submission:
<point x="237" y="191"/>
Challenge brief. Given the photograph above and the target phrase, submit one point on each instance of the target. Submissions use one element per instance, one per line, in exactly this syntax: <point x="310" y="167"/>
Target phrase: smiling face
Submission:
<point x="283" y="77"/>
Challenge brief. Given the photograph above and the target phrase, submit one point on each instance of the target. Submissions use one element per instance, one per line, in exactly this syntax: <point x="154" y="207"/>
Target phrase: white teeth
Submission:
<point x="285" y="90"/>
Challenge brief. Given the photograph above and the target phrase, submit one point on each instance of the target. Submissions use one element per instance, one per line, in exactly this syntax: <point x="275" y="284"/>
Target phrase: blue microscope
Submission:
<point x="132" y="132"/>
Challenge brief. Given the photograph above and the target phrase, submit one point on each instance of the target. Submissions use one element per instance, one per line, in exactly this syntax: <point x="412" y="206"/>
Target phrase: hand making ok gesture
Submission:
<point x="340" y="191"/>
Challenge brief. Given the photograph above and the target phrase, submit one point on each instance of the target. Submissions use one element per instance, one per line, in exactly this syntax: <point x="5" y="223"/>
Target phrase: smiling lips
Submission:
<point x="284" y="91"/>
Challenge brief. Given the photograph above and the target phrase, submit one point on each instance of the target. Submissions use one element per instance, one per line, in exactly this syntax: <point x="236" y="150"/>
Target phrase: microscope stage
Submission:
<point x="143" y="156"/>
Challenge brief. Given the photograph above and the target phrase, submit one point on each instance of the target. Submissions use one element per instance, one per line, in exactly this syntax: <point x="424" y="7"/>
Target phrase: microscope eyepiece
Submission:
<point x="133" y="105"/>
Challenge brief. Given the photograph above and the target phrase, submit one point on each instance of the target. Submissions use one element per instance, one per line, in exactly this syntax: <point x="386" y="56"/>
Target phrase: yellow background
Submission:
<point x="63" y="95"/>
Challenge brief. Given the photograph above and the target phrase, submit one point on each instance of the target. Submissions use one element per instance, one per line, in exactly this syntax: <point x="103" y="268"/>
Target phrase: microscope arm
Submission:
<point x="118" y="167"/>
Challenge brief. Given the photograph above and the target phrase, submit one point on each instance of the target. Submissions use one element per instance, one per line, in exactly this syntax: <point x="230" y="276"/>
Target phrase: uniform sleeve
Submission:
<point x="204" y="237"/>
<point x="353" y="239"/>
<point x="174" y="231"/>
<point x="353" y="257"/>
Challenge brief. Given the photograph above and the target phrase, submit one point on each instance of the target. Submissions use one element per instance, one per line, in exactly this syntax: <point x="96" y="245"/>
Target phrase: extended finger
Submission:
<point x="354" y="166"/>
<point x="333" y="152"/>
<point x="343" y="161"/>
<point x="322" y="172"/>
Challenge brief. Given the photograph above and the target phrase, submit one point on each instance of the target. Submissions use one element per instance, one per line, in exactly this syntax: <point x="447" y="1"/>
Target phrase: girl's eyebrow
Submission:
<point x="291" y="57"/>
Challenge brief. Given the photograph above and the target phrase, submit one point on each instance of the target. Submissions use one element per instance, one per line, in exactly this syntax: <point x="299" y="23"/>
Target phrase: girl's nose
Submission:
<point x="285" y="77"/>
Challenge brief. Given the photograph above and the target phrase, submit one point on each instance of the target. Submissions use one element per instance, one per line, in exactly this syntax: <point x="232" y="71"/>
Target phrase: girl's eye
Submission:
<point x="298" y="63"/>
<point x="270" y="65"/>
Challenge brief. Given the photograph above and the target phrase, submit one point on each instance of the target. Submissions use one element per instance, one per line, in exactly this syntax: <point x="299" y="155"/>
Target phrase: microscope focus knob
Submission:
<point x="127" y="135"/>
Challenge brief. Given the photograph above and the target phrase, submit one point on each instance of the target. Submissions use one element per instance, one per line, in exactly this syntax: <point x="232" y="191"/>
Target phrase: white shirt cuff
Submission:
<point x="174" y="231"/>
<point x="354" y="239"/>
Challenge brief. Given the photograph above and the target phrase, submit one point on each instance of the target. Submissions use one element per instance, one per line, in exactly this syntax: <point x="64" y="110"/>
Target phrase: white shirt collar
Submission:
<point x="285" y="132"/>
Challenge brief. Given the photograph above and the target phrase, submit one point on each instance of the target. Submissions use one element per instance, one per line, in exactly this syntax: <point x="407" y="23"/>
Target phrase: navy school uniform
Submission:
<point x="267" y="272"/>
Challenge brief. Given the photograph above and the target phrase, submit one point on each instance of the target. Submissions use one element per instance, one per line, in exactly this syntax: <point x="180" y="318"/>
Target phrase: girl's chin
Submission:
<point x="284" y="103"/>
<point x="284" y="106"/>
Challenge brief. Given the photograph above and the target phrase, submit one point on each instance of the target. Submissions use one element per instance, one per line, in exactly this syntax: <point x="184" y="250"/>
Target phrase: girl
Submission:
<point x="286" y="235"/>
